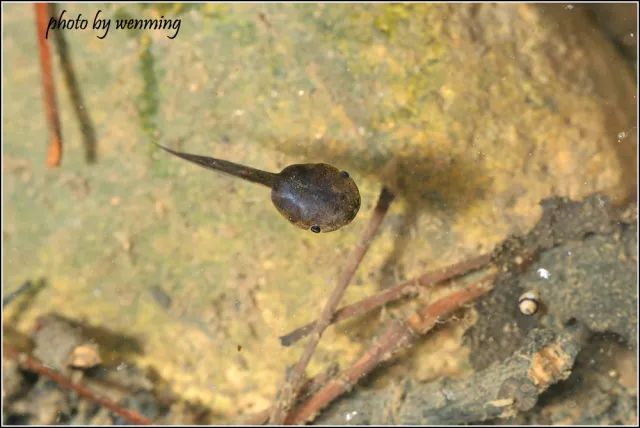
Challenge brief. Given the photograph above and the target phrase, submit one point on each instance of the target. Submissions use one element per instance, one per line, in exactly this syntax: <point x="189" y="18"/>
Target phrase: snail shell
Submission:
<point x="529" y="303"/>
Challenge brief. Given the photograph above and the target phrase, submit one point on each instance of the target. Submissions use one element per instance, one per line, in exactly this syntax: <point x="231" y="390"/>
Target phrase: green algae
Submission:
<point x="358" y="86"/>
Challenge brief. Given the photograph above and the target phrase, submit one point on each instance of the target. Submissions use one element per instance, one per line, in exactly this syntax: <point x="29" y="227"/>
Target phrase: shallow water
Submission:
<point x="471" y="113"/>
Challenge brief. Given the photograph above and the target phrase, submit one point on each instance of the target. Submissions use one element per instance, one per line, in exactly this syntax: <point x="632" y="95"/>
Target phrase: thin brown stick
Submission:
<point x="29" y="363"/>
<point x="51" y="110"/>
<point x="405" y="289"/>
<point x="26" y="286"/>
<point x="71" y="81"/>
<point x="310" y="387"/>
<point x="294" y="382"/>
<point x="398" y="335"/>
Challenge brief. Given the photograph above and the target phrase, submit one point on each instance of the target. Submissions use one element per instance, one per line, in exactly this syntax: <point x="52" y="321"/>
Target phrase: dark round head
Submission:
<point x="316" y="197"/>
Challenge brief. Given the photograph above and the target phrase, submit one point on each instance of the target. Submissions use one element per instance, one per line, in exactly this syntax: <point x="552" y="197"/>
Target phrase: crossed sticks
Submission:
<point x="398" y="334"/>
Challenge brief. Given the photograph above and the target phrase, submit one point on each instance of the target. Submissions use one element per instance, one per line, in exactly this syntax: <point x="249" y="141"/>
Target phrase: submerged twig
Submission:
<point x="28" y="285"/>
<point x="294" y="382"/>
<point x="33" y="365"/>
<point x="310" y="387"/>
<point x="405" y="289"/>
<point x="398" y="335"/>
<point x="79" y="106"/>
<point x="55" y="134"/>
<point x="502" y="390"/>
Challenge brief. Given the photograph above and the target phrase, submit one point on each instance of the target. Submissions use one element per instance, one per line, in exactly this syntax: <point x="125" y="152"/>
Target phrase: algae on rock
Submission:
<point x="485" y="109"/>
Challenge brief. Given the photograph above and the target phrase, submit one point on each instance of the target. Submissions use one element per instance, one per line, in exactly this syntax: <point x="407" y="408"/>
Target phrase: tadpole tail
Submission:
<point x="251" y="174"/>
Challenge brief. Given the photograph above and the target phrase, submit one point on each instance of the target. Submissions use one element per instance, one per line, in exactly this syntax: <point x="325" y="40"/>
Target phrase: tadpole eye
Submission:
<point x="345" y="174"/>
<point x="315" y="229"/>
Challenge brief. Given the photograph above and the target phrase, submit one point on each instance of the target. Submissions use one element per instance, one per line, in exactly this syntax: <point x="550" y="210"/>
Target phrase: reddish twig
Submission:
<point x="294" y="382"/>
<point x="55" y="134"/>
<point x="29" y="363"/>
<point x="79" y="106"/>
<point x="405" y="289"/>
<point x="398" y="335"/>
<point x="309" y="388"/>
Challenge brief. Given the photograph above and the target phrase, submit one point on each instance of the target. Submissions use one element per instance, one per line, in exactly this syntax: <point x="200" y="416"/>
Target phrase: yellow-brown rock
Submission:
<point x="472" y="112"/>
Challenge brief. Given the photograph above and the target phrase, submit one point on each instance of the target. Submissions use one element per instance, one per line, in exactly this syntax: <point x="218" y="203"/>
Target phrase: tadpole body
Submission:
<point x="314" y="196"/>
